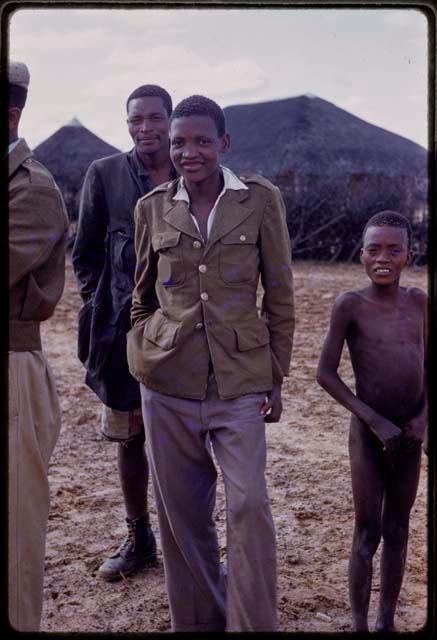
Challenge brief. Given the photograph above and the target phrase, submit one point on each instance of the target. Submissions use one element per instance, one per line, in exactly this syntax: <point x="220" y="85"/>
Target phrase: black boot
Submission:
<point x="136" y="551"/>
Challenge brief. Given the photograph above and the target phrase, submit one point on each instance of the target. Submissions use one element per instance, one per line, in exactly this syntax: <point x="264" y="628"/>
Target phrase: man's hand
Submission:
<point x="272" y="407"/>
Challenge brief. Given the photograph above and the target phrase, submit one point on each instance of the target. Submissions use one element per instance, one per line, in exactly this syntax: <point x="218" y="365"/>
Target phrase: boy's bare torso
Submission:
<point x="387" y="349"/>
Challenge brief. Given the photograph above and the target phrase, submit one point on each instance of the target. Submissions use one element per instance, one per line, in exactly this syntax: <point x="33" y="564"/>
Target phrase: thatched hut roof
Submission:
<point x="334" y="171"/>
<point x="311" y="136"/>
<point x="67" y="154"/>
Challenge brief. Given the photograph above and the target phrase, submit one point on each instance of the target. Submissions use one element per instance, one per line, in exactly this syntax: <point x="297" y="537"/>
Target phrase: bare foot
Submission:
<point x="382" y="627"/>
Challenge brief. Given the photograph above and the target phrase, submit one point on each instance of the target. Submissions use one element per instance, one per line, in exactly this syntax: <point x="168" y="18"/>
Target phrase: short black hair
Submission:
<point x="153" y="91"/>
<point x="17" y="96"/>
<point x="201" y="106"/>
<point x="390" y="219"/>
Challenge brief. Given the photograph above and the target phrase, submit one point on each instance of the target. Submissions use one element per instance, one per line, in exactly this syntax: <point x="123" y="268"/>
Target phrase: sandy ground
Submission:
<point x="308" y="479"/>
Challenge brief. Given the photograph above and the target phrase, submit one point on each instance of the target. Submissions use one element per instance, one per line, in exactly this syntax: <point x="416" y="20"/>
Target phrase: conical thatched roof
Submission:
<point x="67" y="154"/>
<point x="70" y="151"/>
<point x="309" y="135"/>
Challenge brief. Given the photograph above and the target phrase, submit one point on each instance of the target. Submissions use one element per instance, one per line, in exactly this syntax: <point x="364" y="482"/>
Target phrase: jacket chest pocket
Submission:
<point x="239" y="255"/>
<point x="171" y="268"/>
<point x="123" y="253"/>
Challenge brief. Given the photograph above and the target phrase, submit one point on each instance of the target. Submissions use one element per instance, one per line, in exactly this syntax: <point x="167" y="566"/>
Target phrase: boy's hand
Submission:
<point x="389" y="434"/>
<point x="272" y="407"/>
<point x="414" y="432"/>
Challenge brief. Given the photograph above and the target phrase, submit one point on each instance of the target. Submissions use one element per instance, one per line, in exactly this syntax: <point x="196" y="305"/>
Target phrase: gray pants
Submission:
<point x="178" y="437"/>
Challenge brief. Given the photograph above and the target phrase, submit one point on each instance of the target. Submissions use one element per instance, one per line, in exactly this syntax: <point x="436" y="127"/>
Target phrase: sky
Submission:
<point x="85" y="62"/>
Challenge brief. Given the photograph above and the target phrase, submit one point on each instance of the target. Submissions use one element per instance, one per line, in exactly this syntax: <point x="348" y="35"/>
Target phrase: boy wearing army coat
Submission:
<point x="211" y="370"/>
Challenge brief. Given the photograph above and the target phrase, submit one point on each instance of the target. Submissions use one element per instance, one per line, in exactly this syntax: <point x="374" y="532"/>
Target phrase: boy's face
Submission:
<point x="195" y="147"/>
<point x="148" y="123"/>
<point x="385" y="253"/>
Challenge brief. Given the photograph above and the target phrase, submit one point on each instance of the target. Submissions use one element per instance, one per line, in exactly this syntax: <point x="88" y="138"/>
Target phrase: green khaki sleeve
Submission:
<point x="144" y="299"/>
<point x="37" y="224"/>
<point x="277" y="280"/>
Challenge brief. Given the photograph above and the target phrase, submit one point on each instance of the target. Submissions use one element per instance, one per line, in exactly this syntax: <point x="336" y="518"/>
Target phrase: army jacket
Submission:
<point x="37" y="231"/>
<point x="196" y="302"/>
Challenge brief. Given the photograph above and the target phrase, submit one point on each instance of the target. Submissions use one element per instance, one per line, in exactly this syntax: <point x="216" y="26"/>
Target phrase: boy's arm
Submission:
<point x="328" y="378"/>
<point x="416" y="429"/>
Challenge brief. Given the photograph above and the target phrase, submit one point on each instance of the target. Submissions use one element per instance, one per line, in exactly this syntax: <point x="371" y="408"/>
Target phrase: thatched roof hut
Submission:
<point x="311" y="136"/>
<point x="67" y="154"/>
<point x="334" y="170"/>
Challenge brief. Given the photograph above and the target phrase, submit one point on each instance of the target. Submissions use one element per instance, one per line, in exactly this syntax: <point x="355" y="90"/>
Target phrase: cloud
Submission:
<point x="192" y="74"/>
<point x="51" y="41"/>
<point x="402" y="18"/>
<point x="351" y="102"/>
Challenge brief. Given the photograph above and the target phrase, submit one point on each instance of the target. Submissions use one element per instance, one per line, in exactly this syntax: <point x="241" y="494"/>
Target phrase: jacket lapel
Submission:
<point x="231" y="212"/>
<point x="178" y="215"/>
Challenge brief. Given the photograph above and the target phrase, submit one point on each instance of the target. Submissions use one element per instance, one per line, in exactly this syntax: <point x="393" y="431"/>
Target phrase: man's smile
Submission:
<point x="191" y="165"/>
<point x="382" y="270"/>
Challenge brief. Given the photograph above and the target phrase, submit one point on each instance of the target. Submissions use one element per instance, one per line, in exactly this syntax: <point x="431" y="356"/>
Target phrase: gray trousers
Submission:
<point x="179" y="434"/>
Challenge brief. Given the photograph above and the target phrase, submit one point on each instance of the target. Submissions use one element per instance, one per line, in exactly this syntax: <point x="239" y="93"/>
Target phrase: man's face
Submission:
<point x="195" y="147"/>
<point x="148" y="123"/>
<point x="385" y="253"/>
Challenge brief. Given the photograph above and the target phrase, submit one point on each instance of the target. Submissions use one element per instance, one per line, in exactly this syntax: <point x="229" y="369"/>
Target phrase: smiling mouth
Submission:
<point x="191" y="165"/>
<point x="382" y="271"/>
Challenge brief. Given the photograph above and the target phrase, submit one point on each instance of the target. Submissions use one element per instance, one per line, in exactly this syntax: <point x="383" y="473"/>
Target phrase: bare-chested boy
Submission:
<point x="385" y="327"/>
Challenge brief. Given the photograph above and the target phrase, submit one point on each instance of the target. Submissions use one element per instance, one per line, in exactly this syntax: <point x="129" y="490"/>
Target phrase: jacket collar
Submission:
<point x="136" y="163"/>
<point x="18" y="155"/>
<point x="230" y="213"/>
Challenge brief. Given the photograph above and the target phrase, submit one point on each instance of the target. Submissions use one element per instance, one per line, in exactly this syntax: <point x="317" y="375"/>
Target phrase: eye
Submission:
<point x="176" y="143"/>
<point x="204" y="142"/>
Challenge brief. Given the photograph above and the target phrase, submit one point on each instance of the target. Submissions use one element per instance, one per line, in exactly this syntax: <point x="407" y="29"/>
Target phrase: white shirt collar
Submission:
<point x="230" y="182"/>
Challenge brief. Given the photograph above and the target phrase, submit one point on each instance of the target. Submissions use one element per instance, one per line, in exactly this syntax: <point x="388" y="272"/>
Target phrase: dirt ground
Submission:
<point x="308" y="480"/>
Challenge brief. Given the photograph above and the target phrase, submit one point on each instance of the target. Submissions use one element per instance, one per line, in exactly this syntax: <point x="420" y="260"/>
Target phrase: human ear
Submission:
<point x="14" y="115"/>
<point x="361" y="255"/>
<point x="225" y="143"/>
<point x="410" y="257"/>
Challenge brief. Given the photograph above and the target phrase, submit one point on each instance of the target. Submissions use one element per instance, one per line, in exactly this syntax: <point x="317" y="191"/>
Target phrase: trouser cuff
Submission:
<point x="202" y="626"/>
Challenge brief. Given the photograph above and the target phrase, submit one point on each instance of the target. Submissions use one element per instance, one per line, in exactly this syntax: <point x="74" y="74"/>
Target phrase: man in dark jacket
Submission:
<point x="104" y="264"/>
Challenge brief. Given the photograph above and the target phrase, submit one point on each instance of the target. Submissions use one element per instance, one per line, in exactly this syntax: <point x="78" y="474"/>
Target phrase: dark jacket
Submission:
<point x="37" y="231"/>
<point x="194" y="301"/>
<point x="104" y="264"/>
